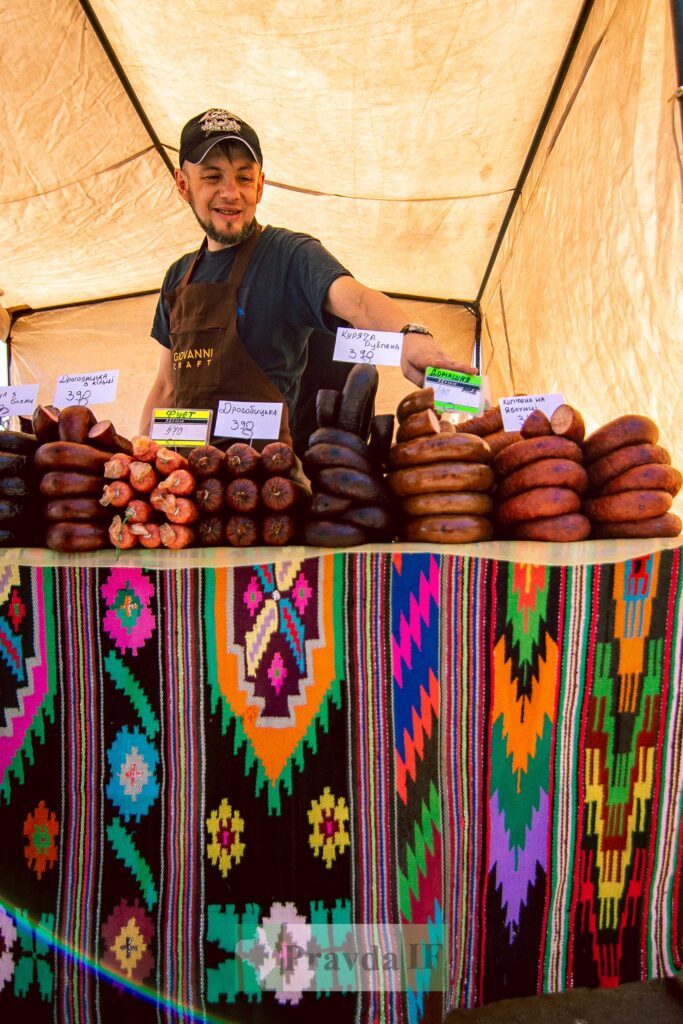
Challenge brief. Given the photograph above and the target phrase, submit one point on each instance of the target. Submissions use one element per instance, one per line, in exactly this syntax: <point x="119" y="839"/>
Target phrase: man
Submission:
<point x="234" y="318"/>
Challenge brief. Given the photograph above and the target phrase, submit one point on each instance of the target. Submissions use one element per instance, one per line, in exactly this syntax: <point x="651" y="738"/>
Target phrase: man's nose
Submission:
<point x="228" y="188"/>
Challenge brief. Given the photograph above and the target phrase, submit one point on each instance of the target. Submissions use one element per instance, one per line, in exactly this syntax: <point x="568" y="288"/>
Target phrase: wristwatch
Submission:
<point x="416" y="329"/>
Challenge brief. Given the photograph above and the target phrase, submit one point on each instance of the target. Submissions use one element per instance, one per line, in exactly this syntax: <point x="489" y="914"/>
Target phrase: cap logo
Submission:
<point x="220" y="121"/>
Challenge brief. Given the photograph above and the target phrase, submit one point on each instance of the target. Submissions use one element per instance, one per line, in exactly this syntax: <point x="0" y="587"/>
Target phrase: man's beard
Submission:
<point x="225" y="237"/>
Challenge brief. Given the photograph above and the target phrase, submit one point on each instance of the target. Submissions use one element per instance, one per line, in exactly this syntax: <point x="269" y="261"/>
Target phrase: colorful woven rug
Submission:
<point x="372" y="786"/>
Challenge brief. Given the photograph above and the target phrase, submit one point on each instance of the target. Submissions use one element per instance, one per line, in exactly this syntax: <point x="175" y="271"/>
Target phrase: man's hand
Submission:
<point x="420" y="351"/>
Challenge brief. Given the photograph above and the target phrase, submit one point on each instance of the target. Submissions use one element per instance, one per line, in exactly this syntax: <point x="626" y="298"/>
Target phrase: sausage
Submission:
<point x="369" y="517"/>
<point x="181" y="510"/>
<point x="12" y="510"/>
<point x="502" y="439"/>
<point x="538" y="503"/>
<point x="449" y="503"/>
<point x="76" y="537"/>
<point x="103" y="435"/>
<point x="144" y="448"/>
<point x="121" y="535"/>
<point x="157" y="499"/>
<point x="358" y="400"/>
<point x="628" y="505"/>
<point x="277" y="458"/>
<point x="566" y="421"/>
<point x="17" y="442"/>
<point x="176" y="537"/>
<point x="333" y="435"/>
<point x="622" y="431"/>
<point x="210" y="493"/>
<point x="68" y="510"/>
<point x="325" y="505"/>
<point x="668" y="525"/>
<point x="323" y="533"/>
<point x="148" y="534"/>
<point x="419" y="424"/>
<point x="489" y="422"/>
<point x="533" y="448"/>
<point x="544" y="473"/>
<point x="446" y="427"/>
<point x="381" y="436"/>
<point x="74" y="422"/>
<point x="242" y="494"/>
<point x="279" y="493"/>
<point x="324" y="456"/>
<point x="560" y="529"/>
<point x="210" y="531"/>
<point x="446" y="476"/>
<point x="11" y="464"/>
<point x="416" y="401"/>
<point x="167" y="461"/>
<point x="241" y="460"/>
<point x="118" y="467"/>
<point x="439" y="448"/>
<point x="447" y="529"/>
<point x="63" y="484"/>
<point x="9" y="538"/>
<point x="650" y="477"/>
<point x="70" y="455"/>
<point x="327" y="407"/>
<point x="14" y="487"/>
<point x="138" y="511"/>
<point x="277" y="529"/>
<point x="118" y="494"/>
<point x="206" y="460"/>
<point x="240" y="531"/>
<point x="536" y="424"/>
<point x="605" y="469"/>
<point x="45" y="422"/>
<point x="351" y="483"/>
<point x="143" y="477"/>
<point x="179" y="482"/>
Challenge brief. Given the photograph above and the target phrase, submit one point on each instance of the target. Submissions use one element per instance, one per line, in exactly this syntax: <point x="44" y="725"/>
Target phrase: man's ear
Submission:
<point x="259" y="187"/>
<point x="182" y="185"/>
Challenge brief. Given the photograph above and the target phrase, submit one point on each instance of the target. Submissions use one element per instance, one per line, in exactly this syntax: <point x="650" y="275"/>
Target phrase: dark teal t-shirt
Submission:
<point x="279" y="302"/>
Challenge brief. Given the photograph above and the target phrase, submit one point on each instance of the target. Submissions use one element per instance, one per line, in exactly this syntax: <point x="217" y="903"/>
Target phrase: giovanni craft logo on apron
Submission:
<point x="192" y="358"/>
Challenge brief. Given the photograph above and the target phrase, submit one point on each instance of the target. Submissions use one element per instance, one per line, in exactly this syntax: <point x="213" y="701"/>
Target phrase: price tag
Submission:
<point x="86" y="388"/>
<point x="181" y="428"/>
<point x="381" y="348"/>
<point x="257" y="421"/>
<point x="455" y="392"/>
<point x="18" y="401"/>
<point x="515" y="410"/>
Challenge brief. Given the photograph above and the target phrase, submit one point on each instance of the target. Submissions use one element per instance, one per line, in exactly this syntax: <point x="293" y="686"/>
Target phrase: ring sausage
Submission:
<point x="624" y="430"/>
<point x="439" y="448"/>
<point x="558" y="529"/>
<point x="544" y="473"/>
<point x="605" y="469"/>
<point x="447" y="529"/>
<point x="629" y="505"/>
<point x="668" y="525"/>
<point x="70" y="455"/>
<point x="650" y="477"/>
<point x="533" y="448"/>
<point x="416" y="401"/>
<point x="538" y="503"/>
<point x="453" y="503"/>
<point x="446" y="476"/>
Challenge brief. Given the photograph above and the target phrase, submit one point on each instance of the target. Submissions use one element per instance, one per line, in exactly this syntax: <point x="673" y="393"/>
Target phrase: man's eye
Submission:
<point x="211" y="177"/>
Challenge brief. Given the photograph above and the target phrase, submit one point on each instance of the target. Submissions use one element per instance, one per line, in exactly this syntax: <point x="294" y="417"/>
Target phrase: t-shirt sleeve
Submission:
<point x="160" y="324"/>
<point x="312" y="270"/>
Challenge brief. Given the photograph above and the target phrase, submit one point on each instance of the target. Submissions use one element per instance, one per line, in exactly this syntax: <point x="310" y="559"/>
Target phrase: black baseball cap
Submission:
<point x="205" y="130"/>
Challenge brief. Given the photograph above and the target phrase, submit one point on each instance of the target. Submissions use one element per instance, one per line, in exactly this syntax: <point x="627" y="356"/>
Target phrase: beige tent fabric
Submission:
<point x="586" y="294"/>
<point x="115" y="336"/>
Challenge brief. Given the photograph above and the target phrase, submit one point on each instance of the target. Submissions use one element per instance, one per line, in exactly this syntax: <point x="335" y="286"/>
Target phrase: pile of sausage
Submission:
<point x="70" y="460"/>
<point x="632" y="483"/>
<point x="443" y="478"/>
<point x="17" y="489"/>
<point x="541" y="480"/>
<point x="240" y="497"/>
<point x="351" y="503"/>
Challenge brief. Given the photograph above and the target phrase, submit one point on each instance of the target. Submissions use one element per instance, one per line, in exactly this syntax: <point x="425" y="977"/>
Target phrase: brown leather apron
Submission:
<point x="210" y="363"/>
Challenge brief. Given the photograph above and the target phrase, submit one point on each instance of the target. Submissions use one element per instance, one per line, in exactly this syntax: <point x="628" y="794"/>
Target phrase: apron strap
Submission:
<point x="240" y="262"/>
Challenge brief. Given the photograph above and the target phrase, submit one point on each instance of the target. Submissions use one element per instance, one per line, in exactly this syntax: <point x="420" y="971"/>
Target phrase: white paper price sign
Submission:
<point x="453" y="391"/>
<point x="381" y="348"/>
<point x="181" y="428"/>
<point x="515" y="410"/>
<point x="18" y="401"/>
<point x="257" y="421"/>
<point x="86" y="388"/>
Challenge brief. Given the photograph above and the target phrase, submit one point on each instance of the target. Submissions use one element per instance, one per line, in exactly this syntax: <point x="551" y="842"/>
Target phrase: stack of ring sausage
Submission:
<point x="18" y="489"/>
<point x="71" y="458"/>
<point x="240" y="497"/>
<point x="345" y="460"/>
<point x="540" y="480"/>
<point x="443" y="478"/>
<point x="632" y="483"/>
<point x="489" y="425"/>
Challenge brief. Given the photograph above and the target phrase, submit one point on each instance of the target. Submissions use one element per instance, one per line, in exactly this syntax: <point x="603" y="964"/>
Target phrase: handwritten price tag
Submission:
<point x="86" y="388"/>
<point x="258" y="421"/>
<point x="18" y="401"/>
<point x="381" y="348"/>
<point x="181" y="428"/>
<point x="453" y="391"/>
<point x="515" y="410"/>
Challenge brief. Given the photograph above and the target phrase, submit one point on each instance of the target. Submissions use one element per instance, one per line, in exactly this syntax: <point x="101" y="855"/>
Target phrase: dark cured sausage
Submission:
<point x="605" y="469"/>
<point x="447" y="529"/>
<point x="630" y="505"/>
<point x="439" y="448"/>
<point x="322" y="533"/>
<point x="416" y="401"/>
<point x="533" y="448"/>
<point x="538" y="503"/>
<point x="544" y="473"/>
<point x="69" y="455"/>
<point x="450" y="503"/>
<point x="557" y="529"/>
<point x="67" y="510"/>
<point x="668" y="525"/>
<point x="63" y="484"/>
<point x="622" y="431"/>
<point x="76" y="537"/>
<point x="650" y="477"/>
<point x="350" y="483"/>
<point x="325" y="456"/>
<point x="443" y="476"/>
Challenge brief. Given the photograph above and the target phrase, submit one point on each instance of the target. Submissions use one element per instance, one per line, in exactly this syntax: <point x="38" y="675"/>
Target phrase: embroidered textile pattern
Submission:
<point x="127" y="934"/>
<point x="128" y="619"/>
<point x="328" y="837"/>
<point x="225" y="827"/>
<point x="41" y="830"/>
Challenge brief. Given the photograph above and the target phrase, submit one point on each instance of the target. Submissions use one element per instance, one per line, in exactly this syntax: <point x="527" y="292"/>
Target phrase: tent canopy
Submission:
<point x="397" y="134"/>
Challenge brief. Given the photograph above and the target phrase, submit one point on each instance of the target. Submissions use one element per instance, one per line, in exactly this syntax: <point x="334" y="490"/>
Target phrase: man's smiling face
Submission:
<point x="223" y="192"/>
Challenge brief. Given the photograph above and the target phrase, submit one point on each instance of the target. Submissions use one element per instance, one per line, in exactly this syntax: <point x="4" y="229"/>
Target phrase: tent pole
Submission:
<point x="123" y="78"/>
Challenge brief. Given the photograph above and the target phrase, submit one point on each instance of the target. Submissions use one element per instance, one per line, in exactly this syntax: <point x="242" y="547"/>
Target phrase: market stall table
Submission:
<point x="233" y="784"/>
